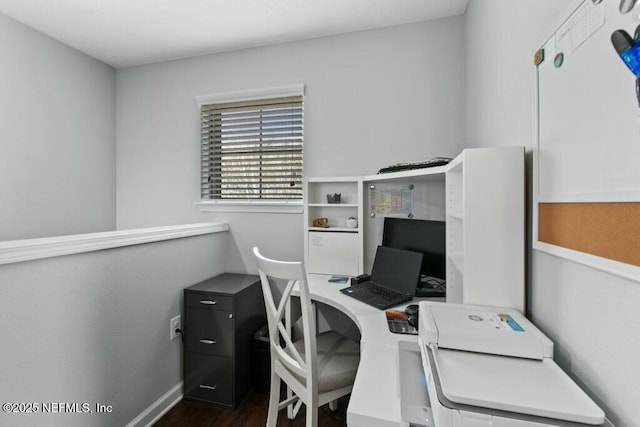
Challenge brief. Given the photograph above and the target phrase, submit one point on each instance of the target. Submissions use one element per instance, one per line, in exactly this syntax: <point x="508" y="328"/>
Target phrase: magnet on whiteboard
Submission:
<point x="538" y="57"/>
<point x="558" y="60"/>
<point x="627" y="5"/>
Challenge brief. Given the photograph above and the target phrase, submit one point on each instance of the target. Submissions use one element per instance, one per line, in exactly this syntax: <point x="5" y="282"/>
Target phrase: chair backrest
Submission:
<point x="279" y="335"/>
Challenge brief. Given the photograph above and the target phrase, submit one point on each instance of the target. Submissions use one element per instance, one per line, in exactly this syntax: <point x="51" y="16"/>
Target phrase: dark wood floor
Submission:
<point x="252" y="412"/>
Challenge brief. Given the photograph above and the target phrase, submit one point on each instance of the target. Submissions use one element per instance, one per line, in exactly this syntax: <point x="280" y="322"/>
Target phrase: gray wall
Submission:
<point x="591" y="316"/>
<point x="94" y="327"/>
<point x="372" y="98"/>
<point x="57" y="144"/>
<point x="91" y="327"/>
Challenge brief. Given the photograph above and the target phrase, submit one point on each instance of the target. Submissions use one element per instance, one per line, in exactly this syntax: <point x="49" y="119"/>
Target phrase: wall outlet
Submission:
<point x="174" y="323"/>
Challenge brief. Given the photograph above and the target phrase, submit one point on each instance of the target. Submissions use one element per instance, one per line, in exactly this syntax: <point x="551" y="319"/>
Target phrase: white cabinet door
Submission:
<point x="333" y="253"/>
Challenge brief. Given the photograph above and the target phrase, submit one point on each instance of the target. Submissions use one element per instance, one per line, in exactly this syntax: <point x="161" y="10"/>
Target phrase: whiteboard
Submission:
<point x="588" y="142"/>
<point x="587" y="150"/>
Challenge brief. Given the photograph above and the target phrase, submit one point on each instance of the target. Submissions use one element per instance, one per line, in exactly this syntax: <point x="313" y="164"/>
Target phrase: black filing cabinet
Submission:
<point x="221" y="316"/>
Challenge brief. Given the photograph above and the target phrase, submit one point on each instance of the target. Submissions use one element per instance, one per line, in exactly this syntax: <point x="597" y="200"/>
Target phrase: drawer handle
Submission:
<point x="208" y="387"/>
<point x="208" y="302"/>
<point x="203" y="341"/>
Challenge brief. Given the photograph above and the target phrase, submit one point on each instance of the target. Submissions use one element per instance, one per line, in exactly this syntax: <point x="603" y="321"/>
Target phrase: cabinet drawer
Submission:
<point x="208" y="301"/>
<point x="209" y="331"/>
<point x="209" y="378"/>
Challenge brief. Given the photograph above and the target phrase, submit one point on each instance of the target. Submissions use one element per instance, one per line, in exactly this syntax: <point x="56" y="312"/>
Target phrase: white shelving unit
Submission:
<point x="481" y="196"/>
<point x="486" y="227"/>
<point x="337" y="248"/>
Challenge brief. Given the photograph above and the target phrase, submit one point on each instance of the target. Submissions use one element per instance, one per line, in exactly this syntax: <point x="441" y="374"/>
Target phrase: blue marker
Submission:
<point x="628" y="49"/>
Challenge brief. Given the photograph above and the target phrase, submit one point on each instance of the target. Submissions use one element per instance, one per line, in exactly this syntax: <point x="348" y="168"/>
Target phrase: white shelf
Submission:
<point x="335" y="229"/>
<point x="456" y="215"/>
<point x="425" y="174"/>
<point x="333" y="205"/>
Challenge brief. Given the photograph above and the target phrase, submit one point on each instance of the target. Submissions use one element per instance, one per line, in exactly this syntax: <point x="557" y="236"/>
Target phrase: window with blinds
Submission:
<point x="253" y="149"/>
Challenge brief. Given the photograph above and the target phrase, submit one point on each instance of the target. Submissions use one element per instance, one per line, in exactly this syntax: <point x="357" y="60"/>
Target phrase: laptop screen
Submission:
<point x="397" y="269"/>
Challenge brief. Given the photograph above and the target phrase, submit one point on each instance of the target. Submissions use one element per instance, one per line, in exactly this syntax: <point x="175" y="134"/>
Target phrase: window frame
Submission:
<point x="251" y="205"/>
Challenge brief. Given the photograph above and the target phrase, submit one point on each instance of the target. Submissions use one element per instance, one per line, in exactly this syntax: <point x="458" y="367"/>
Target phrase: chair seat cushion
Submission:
<point x="338" y="359"/>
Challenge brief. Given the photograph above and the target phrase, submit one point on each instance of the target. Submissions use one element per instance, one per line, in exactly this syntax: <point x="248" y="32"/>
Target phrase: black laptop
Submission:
<point x="393" y="281"/>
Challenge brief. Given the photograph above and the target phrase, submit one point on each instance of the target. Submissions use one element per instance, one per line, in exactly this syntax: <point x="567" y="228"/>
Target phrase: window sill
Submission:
<point x="257" y="206"/>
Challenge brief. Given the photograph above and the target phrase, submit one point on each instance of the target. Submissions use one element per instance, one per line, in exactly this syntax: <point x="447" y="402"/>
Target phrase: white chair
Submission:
<point x="319" y="368"/>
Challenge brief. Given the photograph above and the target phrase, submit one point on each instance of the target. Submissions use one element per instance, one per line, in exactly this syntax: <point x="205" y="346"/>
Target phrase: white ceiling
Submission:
<point x="124" y="33"/>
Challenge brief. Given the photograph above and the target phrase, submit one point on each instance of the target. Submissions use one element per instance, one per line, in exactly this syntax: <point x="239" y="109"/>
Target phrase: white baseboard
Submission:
<point x="158" y="408"/>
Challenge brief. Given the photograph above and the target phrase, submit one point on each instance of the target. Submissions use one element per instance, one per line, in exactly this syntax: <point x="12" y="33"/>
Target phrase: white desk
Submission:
<point x="375" y="399"/>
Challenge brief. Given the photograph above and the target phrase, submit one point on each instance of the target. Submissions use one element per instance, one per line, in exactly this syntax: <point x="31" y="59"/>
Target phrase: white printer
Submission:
<point x="488" y="366"/>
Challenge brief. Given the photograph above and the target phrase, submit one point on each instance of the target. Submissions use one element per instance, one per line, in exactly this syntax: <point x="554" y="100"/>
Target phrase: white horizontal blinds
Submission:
<point x="252" y="149"/>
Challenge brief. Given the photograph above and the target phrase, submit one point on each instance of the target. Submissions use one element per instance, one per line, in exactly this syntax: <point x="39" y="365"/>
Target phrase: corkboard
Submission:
<point x="609" y="230"/>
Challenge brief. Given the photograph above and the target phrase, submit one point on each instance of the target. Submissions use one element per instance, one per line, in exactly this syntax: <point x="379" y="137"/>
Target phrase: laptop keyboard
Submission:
<point x="375" y="289"/>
